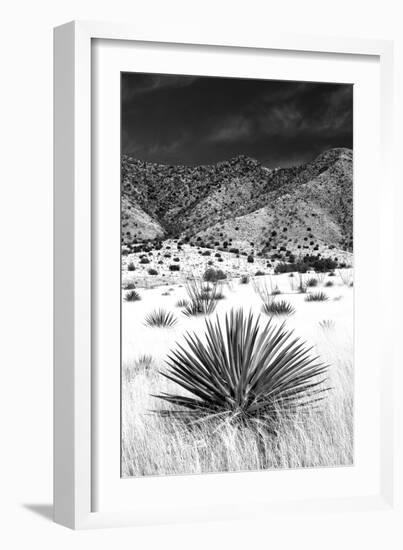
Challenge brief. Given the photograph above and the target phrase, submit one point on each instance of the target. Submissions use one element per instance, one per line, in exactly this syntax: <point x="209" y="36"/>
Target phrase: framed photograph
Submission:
<point x="222" y="213"/>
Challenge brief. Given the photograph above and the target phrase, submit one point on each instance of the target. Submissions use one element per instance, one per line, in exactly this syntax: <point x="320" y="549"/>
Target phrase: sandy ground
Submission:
<point x="137" y="339"/>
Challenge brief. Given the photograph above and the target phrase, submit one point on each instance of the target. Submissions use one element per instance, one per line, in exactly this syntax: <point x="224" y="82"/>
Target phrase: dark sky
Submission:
<point x="200" y="120"/>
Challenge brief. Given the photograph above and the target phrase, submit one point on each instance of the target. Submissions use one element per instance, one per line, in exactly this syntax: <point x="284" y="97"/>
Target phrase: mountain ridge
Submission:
<point x="300" y="209"/>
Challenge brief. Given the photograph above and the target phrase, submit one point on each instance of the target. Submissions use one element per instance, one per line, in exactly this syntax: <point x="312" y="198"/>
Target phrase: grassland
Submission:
<point x="319" y="436"/>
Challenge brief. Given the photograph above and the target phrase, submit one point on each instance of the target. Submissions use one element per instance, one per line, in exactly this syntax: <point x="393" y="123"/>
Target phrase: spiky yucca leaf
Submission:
<point x="243" y="370"/>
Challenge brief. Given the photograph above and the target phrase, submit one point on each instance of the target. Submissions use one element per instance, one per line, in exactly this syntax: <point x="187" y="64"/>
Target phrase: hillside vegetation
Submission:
<point x="242" y="207"/>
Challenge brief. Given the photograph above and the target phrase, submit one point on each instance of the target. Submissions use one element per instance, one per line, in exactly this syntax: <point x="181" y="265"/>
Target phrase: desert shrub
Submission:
<point x="244" y="280"/>
<point x="174" y="267"/>
<point x="316" y="297"/>
<point x="201" y="298"/>
<point x="280" y="307"/>
<point x="329" y="283"/>
<point x="283" y="267"/>
<point x="144" y="261"/>
<point x="176" y="259"/>
<point x="130" y="266"/>
<point x="161" y="319"/>
<point x="331" y="274"/>
<point x="206" y="253"/>
<point x="234" y="250"/>
<point x="152" y="271"/>
<point x="312" y="282"/>
<point x="213" y="275"/>
<point x="130" y="286"/>
<point x="259" y="273"/>
<point x="243" y="371"/>
<point x="250" y="259"/>
<point x="132" y="296"/>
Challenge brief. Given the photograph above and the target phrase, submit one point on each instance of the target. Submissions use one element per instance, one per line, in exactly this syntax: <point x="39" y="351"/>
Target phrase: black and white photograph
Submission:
<point x="237" y="274"/>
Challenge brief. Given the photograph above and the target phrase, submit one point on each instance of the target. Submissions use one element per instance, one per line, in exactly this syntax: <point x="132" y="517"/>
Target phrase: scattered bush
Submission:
<point x="234" y="372"/>
<point x="174" y="267"/>
<point x="214" y="275"/>
<point x="130" y="266"/>
<point x="281" y="307"/>
<point x="152" y="271"/>
<point x="259" y="273"/>
<point x="250" y="259"/>
<point x="144" y="261"/>
<point x="316" y="297"/>
<point x="130" y="286"/>
<point x="312" y="282"/>
<point x="329" y="283"/>
<point x="161" y="319"/>
<point x="202" y="298"/>
<point x="244" y="280"/>
<point x="132" y="296"/>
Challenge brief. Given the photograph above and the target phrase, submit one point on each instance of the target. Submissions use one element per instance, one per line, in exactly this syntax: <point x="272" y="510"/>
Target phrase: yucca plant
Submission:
<point x="130" y="286"/>
<point x="278" y="307"/>
<point x="243" y="371"/>
<point x="160" y="318"/>
<point x="202" y="299"/>
<point x="316" y="297"/>
<point x="346" y="276"/>
<point x="132" y="296"/>
<point x="182" y="302"/>
<point x="327" y="324"/>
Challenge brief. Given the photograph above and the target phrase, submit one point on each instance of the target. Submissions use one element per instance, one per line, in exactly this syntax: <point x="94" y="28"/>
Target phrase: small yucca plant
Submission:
<point x="130" y="286"/>
<point x="242" y="371"/>
<point x="316" y="297"/>
<point x="327" y="324"/>
<point x="160" y="318"/>
<point x="280" y="307"/>
<point x="202" y="299"/>
<point x="182" y="303"/>
<point x="132" y="296"/>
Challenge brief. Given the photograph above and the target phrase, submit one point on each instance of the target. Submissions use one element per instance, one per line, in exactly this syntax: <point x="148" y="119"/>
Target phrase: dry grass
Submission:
<point x="155" y="445"/>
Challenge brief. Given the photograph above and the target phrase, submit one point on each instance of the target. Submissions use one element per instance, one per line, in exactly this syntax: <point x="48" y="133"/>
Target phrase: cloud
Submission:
<point x="137" y="84"/>
<point x="234" y="128"/>
<point x="178" y="119"/>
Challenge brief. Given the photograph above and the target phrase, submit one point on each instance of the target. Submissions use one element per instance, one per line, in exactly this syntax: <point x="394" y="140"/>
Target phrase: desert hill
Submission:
<point x="243" y="206"/>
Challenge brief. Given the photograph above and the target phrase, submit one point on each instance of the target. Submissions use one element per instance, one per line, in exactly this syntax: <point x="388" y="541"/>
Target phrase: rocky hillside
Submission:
<point x="242" y="206"/>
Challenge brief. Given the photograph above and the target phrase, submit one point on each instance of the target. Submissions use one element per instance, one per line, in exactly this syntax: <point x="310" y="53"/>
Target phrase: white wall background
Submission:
<point x="26" y="267"/>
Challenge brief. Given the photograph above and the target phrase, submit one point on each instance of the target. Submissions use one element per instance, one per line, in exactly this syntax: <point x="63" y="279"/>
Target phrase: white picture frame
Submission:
<point x="76" y="421"/>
